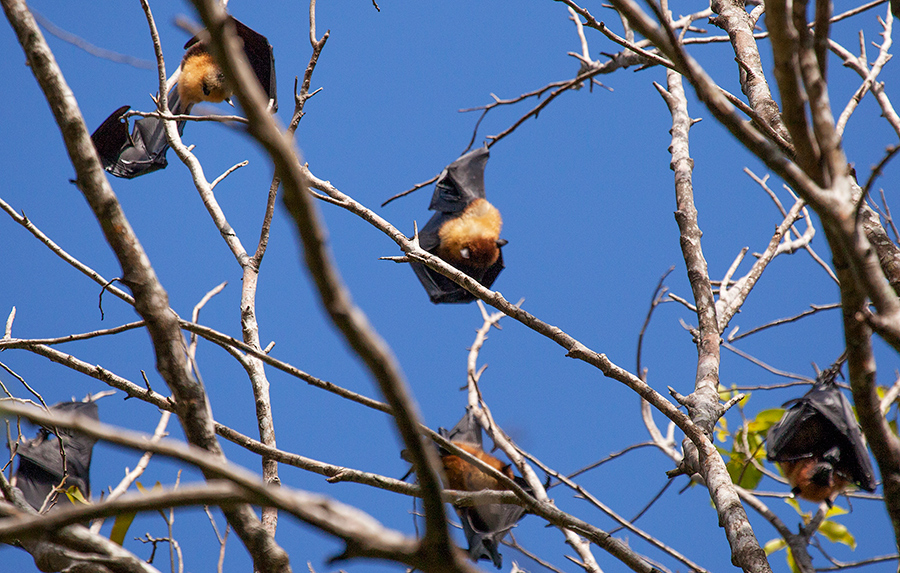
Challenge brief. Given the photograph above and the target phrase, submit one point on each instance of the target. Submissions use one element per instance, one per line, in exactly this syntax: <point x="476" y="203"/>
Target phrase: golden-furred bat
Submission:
<point x="484" y="525"/>
<point x="464" y="231"/>
<point x="199" y="78"/>
<point x="818" y="444"/>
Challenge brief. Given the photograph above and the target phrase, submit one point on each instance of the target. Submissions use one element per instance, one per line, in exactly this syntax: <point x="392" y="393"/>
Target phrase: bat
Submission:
<point x="464" y="231"/>
<point x="199" y="78"/>
<point x="818" y="444"/>
<point x="484" y="525"/>
<point x="41" y="464"/>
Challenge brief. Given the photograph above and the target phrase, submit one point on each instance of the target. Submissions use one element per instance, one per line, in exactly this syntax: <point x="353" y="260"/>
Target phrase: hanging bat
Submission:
<point x="818" y="444"/>
<point x="464" y="231"/>
<point x="198" y="78"/>
<point x="484" y="525"/>
<point x="41" y="464"/>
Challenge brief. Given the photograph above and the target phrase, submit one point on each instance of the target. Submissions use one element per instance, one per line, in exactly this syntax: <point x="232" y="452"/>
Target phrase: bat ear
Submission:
<point x="502" y="242"/>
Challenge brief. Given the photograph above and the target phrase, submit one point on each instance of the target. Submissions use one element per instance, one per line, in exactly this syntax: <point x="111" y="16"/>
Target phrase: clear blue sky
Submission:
<point x="587" y="198"/>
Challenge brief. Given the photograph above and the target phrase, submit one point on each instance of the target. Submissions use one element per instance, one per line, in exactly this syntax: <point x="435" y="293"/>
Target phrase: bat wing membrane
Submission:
<point x="460" y="183"/>
<point x="485" y="526"/>
<point x="41" y="465"/>
<point x="467" y="430"/>
<point x="816" y="423"/>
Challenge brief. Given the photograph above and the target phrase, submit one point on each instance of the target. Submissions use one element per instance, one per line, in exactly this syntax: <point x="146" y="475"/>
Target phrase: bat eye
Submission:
<point x="464" y="252"/>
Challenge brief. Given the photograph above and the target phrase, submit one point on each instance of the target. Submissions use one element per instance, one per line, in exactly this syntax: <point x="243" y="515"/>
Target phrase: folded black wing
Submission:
<point x="461" y="182"/>
<point x="485" y="526"/>
<point x="467" y="430"/>
<point x="816" y="423"/>
<point x="41" y="464"/>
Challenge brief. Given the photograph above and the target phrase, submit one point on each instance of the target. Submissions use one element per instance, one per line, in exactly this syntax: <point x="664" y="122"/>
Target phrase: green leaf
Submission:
<point x="156" y="487"/>
<point x="835" y="510"/>
<point x="123" y="521"/>
<point x="793" y="503"/>
<point x="765" y="420"/>
<point x="791" y="562"/>
<point x="743" y="473"/>
<point x="837" y="533"/>
<point x="120" y="527"/>
<point x="726" y="394"/>
<point x="75" y="496"/>
<point x="721" y="430"/>
<point x="774" y="545"/>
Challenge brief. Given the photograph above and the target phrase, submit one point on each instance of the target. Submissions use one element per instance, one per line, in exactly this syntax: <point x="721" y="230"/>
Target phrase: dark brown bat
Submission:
<point x="41" y="464"/>
<point x="818" y="444"/>
<point x="464" y="231"/>
<point x="484" y="525"/>
<point x="199" y="78"/>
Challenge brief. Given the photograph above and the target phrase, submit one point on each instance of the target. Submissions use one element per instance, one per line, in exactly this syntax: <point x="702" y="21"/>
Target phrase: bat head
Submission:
<point x="259" y="53"/>
<point x="201" y="77"/>
<point x="814" y="479"/>
<point x="485" y="526"/>
<point x="471" y="240"/>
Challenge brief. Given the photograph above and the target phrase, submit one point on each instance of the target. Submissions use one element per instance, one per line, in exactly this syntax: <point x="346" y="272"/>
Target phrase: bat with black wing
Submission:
<point x="464" y="231"/>
<point x="818" y="444"/>
<point x="484" y="525"/>
<point x="41" y="463"/>
<point x="198" y="78"/>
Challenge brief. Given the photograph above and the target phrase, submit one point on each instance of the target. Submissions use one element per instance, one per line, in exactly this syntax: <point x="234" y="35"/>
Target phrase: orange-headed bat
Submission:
<point x="199" y="78"/>
<point x="41" y="464"/>
<point x="464" y="231"/>
<point x="485" y="525"/>
<point x="818" y="444"/>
